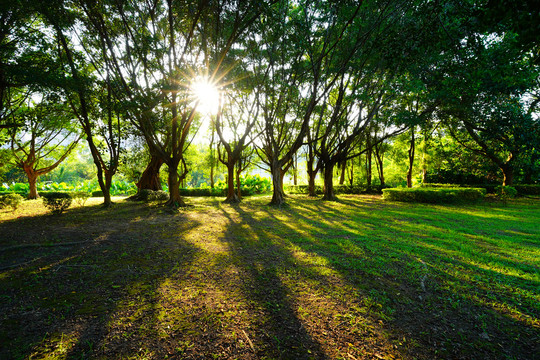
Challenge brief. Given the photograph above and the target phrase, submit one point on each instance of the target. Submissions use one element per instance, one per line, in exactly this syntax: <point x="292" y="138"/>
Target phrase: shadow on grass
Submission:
<point x="88" y="296"/>
<point x="314" y="280"/>
<point x="438" y="294"/>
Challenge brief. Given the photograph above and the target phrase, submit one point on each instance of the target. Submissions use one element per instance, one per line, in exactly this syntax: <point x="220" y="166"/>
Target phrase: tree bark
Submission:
<point x="329" y="182"/>
<point x="295" y="170"/>
<point x="175" y="200"/>
<point x="232" y="197"/>
<point x="508" y="174"/>
<point x="32" y="182"/>
<point x="238" y="184"/>
<point x="343" y="171"/>
<point x="278" y="196"/>
<point x="212" y="159"/>
<point x="369" y="167"/>
<point x="150" y="176"/>
<point x="107" y="201"/>
<point x="379" y="164"/>
<point x="312" y="173"/>
<point x="411" y="159"/>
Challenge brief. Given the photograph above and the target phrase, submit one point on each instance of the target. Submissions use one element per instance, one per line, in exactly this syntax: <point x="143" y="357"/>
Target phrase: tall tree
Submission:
<point x="155" y="50"/>
<point x="299" y="59"/>
<point x="238" y="117"/>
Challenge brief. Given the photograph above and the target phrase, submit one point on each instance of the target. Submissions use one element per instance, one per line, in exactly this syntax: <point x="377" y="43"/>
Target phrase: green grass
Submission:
<point x="353" y="279"/>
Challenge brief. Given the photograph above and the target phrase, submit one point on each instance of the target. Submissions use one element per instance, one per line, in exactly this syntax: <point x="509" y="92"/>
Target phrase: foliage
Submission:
<point x="338" y="189"/>
<point x="249" y="185"/>
<point x="11" y="200"/>
<point x="151" y="195"/>
<point x="527" y="189"/>
<point x="434" y="195"/>
<point x="80" y="197"/>
<point x="506" y="192"/>
<point x="57" y="202"/>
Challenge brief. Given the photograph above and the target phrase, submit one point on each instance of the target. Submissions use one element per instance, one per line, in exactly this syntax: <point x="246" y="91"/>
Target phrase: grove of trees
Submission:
<point x="341" y="84"/>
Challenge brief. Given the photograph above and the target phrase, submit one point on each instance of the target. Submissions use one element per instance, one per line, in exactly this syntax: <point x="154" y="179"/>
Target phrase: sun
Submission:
<point x="207" y="94"/>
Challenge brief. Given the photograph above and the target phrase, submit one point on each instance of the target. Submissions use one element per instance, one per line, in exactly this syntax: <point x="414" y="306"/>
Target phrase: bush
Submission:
<point x="506" y="192"/>
<point x="434" y="195"/>
<point x="150" y="195"/>
<point x="11" y="200"/>
<point x="97" y="193"/>
<point x="57" y="202"/>
<point x="338" y="189"/>
<point x="203" y="192"/>
<point x="22" y="193"/>
<point x="302" y="189"/>
<point x="527" y="189"/>
<point x="80" y="197"/>
<point x="490" y="188"/>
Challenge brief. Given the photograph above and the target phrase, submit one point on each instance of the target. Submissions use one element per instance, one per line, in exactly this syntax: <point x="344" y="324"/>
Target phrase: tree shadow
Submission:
<point x="93" y="263"/>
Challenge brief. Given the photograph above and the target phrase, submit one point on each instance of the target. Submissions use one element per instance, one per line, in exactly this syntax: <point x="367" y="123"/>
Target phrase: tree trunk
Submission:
<point x="295" y="170"/>
<point x="350" y="173"/>
<point x="238" y="184"/>
<point x="343" y="171"/>
<point x="278" y="196"/>
<point x="369" y="168"/>
<point x="411" y="159"/>
<point x="311" y="174"/>
<point x="32" y="182"/>
<point x="232" y="197"/>
<point x="175" y="200"/>
<point x="329" y="182"/>
<point x="107" y="202"/>
<point x="508" y="174"/>
<point x="150" y="177"/>
<point x="212" y="159"/>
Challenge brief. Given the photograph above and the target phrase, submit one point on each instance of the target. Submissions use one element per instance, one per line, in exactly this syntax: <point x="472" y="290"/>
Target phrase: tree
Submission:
<point x="240" y="114"/>
<point x="484" y="101"/>
<point x="47" y="138"/>
<point x="299" y="59"/>
<point x="154" y="51"/>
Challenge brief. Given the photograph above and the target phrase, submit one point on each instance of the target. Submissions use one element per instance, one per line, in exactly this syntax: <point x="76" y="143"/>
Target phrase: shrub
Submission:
<point x="527" y="189"/>
<point x="506" y="192"/>
<point x="97" y="193"/>
<point x="22" y="193"/>
<point x="434" y="195"/>
<point x="302" y="189"/>
<point x="80" y="197"/>
<point x="11" y="200"/>
<point x="151" y="195"/>
<point x="57" y="202"/>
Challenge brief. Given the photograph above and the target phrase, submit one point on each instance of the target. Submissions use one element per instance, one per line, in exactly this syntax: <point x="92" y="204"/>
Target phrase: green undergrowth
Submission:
<point x="357" y="278"/>
<point x="442" y="195"/>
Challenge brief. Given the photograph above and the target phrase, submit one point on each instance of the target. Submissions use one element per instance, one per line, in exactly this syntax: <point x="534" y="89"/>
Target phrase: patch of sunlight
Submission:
<point x="319" y="264"/>
<point x="507" y="310"/>
<point x="209" y="237"/>
<point x="55" y="346"/>
<point x="519" y="233"/>
<point x="53" y="264"/>
<point x="507" y="271"/>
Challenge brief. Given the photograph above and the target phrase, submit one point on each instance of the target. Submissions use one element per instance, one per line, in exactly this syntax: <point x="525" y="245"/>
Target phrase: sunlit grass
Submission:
<point x="357" y="278"/>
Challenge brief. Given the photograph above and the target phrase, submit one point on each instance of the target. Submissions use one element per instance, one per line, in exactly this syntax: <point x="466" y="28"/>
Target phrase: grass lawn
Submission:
<point x="355" y="279"/>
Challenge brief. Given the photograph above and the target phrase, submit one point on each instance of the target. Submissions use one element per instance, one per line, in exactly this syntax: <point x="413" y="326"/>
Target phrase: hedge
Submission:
<point x="527" y="189"/>
<point x="57" y="202"/>
<point x="434" y="195"/>
<point x="338" y="189"/>
<point x="22" y="193"/>
<point x="490" y="188"/>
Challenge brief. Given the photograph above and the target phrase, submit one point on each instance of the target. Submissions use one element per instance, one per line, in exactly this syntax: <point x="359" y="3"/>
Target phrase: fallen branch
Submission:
<point x="249" y="341"/>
